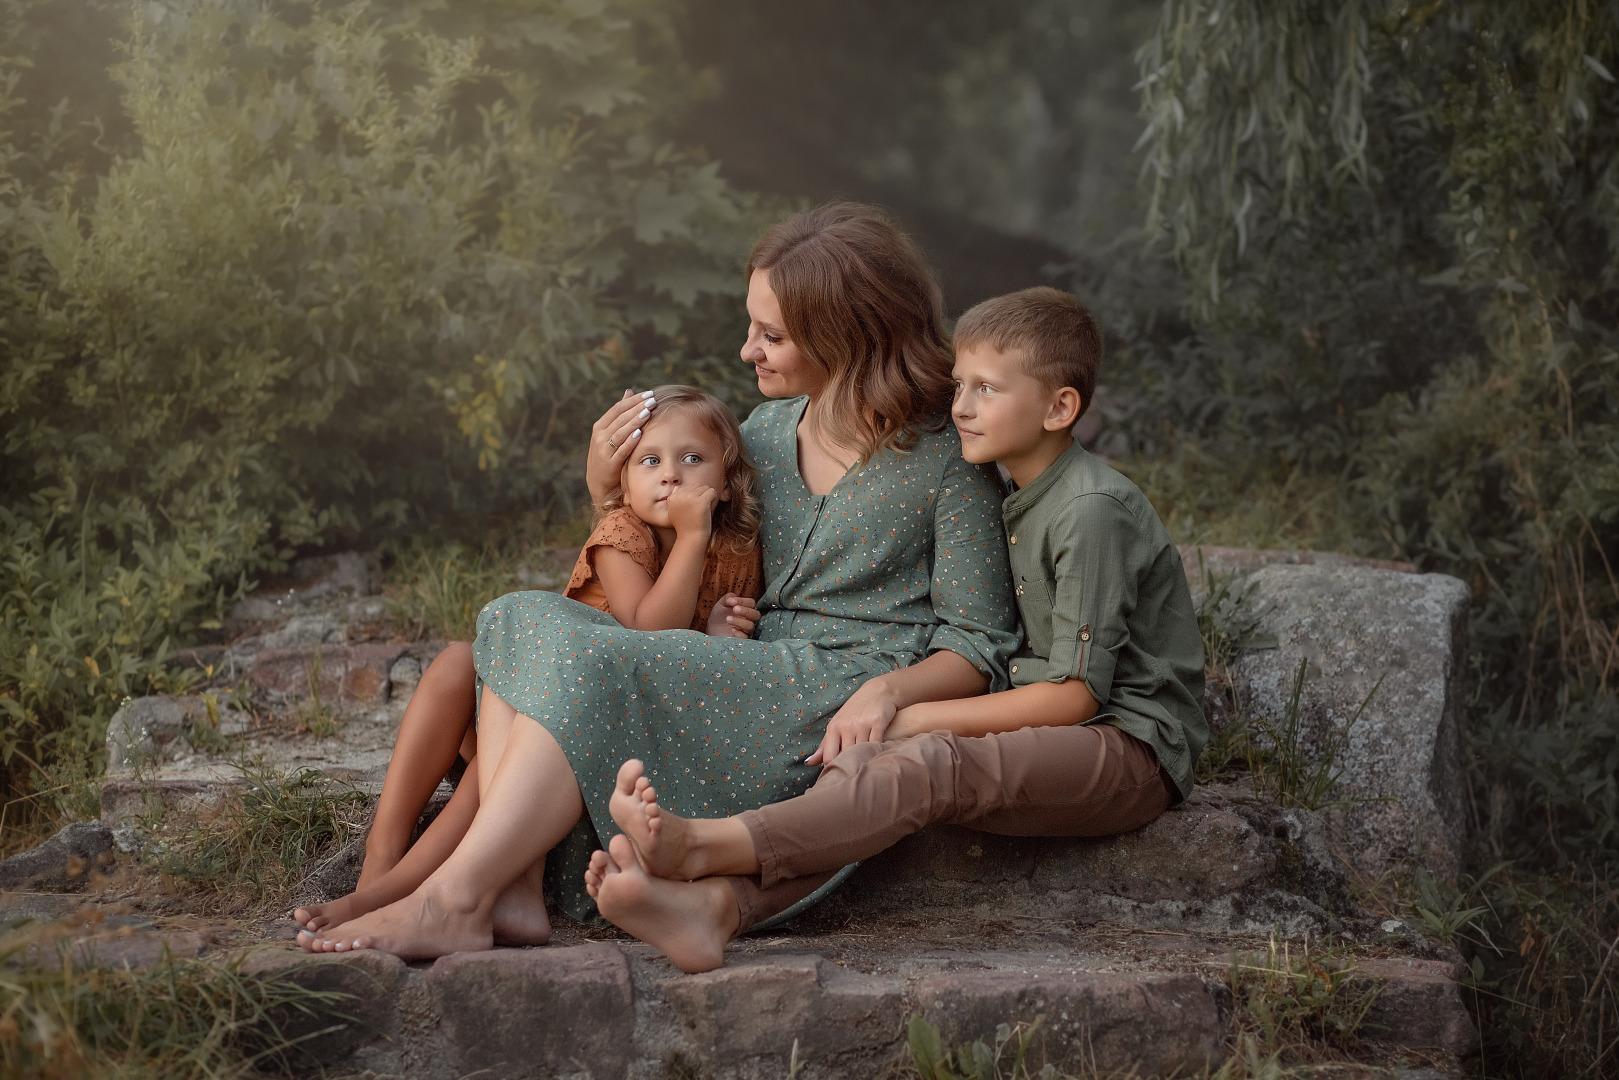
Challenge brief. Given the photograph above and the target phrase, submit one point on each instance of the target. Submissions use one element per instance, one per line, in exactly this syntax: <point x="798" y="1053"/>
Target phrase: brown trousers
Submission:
<point x="1085" y="780"/>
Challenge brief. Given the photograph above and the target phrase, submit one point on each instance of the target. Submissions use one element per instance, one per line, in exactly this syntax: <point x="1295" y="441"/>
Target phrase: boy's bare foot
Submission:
<point x="425" y="924"/>
<point x="519" y="916"/>
<point x="660" y="839"/>
<point x="687" y="921"/>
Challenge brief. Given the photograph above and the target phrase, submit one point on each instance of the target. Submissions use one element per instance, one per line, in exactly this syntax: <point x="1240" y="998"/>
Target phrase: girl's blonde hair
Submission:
<point x="862" y="306"/>
<point x="736" y="522"/>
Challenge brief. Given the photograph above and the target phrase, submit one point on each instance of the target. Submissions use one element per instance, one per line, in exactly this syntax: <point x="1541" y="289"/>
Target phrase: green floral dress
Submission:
<point x="904" y="557"/>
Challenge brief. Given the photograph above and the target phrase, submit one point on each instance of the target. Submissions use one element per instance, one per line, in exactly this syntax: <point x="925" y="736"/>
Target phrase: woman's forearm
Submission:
<point x="1036" y="705"/>
<point x="943" y="674"/>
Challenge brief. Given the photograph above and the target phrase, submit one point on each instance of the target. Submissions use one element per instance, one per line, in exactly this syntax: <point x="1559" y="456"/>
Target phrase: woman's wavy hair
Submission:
<point x="862" y="305"/>
<point x="736" y="522"/>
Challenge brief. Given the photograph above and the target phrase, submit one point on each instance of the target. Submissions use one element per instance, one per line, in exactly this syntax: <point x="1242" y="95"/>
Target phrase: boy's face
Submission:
<point x="999" y="409"/>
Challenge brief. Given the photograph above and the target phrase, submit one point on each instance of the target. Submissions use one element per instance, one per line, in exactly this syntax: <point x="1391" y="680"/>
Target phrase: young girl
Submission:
<point x="675" y="547"/>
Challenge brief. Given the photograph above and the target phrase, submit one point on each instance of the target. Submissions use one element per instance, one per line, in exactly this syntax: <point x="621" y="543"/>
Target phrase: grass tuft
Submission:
<point x="252" y="849"/>
<point x="180" y="1018"/>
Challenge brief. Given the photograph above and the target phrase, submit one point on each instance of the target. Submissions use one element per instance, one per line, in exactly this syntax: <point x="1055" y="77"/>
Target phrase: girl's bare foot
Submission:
<point x="519" y="916"/>
<point x="660" y="838"/>
<point x="687" y="921"/>
<point x="427" y="923"/>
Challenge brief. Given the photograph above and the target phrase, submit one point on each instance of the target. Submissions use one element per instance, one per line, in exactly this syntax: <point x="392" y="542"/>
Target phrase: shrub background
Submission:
<point x="349" y="270"/>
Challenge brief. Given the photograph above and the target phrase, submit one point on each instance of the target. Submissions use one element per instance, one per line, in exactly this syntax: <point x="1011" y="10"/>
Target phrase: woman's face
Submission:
<point x="782" y="370"/>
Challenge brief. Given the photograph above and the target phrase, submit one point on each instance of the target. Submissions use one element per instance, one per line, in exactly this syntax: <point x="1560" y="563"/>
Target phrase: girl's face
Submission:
<point x="782" y="370"/>
<point x="676" y="450"/>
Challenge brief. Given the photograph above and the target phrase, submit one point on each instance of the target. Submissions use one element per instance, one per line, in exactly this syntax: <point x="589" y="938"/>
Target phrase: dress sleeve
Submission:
<point x="972" y="581"/>
<point x="622" y="530"/>
<point x="1099" y="544"/>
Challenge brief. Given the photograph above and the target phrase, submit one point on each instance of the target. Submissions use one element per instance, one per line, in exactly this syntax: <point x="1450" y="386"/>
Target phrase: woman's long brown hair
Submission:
<point x="861" y="305"/>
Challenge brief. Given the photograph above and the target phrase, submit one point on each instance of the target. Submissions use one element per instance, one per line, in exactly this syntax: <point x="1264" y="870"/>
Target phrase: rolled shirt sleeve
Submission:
<point x="971" y="580"/>
<point x="1097" y="547"/>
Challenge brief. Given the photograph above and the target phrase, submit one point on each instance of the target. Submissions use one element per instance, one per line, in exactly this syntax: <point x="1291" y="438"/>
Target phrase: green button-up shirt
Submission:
<point x="1103" y="598"/>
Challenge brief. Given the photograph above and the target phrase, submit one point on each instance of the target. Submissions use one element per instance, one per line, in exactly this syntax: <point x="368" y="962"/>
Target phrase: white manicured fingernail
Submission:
<point x="644" y="414"/>
<point x="648" y="393"/>
<point x="636" y="434"/>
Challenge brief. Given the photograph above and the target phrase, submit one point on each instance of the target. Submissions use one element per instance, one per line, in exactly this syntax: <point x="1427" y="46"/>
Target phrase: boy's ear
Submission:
<point x="1065" y="408"/>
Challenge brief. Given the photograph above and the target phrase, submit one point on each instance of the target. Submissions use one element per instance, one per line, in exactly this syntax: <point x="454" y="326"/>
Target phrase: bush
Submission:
<point x="358" y="267"/>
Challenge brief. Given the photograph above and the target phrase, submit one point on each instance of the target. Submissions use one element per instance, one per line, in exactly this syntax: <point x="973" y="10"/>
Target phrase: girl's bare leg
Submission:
<point x="531" y="801"/>
<point x="426" y="855"/>
<point x="437" y="725"/>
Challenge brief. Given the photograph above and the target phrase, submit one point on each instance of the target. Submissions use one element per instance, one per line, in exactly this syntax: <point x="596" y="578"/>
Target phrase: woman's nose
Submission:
<point x="752" y="351"/>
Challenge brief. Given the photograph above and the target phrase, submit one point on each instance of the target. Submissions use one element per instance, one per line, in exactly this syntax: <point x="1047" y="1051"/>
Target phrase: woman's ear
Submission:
<point x="1066" y="405"/>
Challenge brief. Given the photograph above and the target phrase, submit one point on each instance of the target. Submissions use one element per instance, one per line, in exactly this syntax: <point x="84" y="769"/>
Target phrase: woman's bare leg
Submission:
<point x="530" y="803"/>
<point x="437" y="726"/>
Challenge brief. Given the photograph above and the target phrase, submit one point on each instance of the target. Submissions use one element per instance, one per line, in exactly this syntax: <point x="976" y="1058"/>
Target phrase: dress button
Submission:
<point x="1084" y="635"/>
<point x="1020" y="590"/>
<point x="1014" y="669"/>
<point x="1013" y="539"/>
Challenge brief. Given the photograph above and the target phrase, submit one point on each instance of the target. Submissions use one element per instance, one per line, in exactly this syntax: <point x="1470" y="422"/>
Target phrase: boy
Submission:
<point x="1098" y="735"/>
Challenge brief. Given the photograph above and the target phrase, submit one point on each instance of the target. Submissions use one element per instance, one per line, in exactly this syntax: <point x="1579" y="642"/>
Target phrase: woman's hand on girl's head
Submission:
<point x="733" y="616"/>
<point x="612" y="438"/>
<point x="865" y="717"/>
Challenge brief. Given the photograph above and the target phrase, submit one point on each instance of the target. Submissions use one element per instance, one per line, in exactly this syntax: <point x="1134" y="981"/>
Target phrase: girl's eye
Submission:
<point x="692" y="459"/>
<point x="986" y="389"/>
<point x="650" y="459"/>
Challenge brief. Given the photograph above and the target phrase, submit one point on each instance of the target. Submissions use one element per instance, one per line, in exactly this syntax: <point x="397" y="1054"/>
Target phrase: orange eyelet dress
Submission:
<point x="724" y="572"/>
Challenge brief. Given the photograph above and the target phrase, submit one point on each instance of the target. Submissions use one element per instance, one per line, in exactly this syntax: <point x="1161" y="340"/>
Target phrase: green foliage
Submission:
<point x="1287" y="1000"/>
<point x="177" y="1018"/>
<point x="355" y="267"/>
<point x="1006" y="1058"/>
<point x="256" y="845"/>
<point x="437" y="591"/>
<point x="1396" y="224"/>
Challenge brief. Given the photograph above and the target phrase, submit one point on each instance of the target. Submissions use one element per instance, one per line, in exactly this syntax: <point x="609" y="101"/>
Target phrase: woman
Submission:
<point x="887" y="584"/>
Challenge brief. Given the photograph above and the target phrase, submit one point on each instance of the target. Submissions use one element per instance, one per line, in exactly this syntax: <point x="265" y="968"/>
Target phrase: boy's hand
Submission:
<point x="733" y="616"/>
<point x="691" y="509"/>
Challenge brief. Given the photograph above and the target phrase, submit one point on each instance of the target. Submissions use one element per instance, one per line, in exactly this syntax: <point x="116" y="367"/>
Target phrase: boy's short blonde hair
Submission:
<point x="1057" y="335"/>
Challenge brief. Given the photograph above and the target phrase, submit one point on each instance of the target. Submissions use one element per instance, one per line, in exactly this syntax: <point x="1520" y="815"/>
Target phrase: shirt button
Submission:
<point x="1013" y="539"/>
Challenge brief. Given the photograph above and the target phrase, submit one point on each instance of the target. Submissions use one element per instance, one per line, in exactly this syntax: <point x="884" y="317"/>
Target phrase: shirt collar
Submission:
<point x="1023" y="498"/>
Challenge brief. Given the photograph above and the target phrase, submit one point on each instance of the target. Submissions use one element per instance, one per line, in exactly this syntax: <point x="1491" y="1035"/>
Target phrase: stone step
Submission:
<point x="837" y="1002"/>
<point x="836" y="1006"/>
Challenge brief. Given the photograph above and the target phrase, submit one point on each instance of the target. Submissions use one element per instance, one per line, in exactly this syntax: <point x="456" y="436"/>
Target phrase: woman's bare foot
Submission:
<point x="687" y="921"/>
<point x="519" y="916"/>
<point x="425" y="924"/>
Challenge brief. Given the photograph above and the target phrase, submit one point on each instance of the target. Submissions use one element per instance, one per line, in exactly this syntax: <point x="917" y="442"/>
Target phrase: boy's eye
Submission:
<point x="692" y="459"/>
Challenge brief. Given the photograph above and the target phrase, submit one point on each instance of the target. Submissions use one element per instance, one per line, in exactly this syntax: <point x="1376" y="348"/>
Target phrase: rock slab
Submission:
<point x="1357" y="629"/>
<point x="65" y="861"/>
